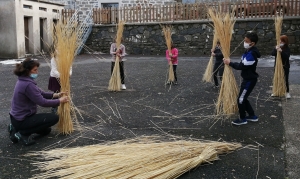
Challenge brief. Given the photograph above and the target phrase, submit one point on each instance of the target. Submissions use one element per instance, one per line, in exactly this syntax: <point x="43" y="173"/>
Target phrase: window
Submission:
<point x="55" y="10"/>
<point x="27" y="6"/>
<point x="42" y="8"/>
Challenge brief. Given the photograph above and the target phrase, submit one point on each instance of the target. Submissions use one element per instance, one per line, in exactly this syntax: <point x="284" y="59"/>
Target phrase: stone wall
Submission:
<point x="192" y="38"/>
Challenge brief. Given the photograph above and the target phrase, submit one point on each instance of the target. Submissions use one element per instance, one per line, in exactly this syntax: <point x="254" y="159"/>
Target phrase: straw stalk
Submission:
<point x="167" y="30"/>
<point x="223" y="24"/>
<point x="145" y="157"/>
<point x="207" y="77"/>
<point x="65" y="43"/>
<point x="279" y="88"/>
<point x="115" y="79"/>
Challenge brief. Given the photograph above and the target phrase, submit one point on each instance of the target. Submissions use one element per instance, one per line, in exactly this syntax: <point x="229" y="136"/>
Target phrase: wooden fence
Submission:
<point x="180" y="12"/>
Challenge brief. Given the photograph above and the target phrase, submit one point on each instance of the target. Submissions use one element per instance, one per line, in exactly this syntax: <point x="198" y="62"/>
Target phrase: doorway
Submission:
<point x="26" y="35"/>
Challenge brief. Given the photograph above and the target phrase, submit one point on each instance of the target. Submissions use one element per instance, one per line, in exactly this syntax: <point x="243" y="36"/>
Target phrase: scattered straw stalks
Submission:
<point x="167" y="30"/>
<point x="223" y="25"/>
<point x="65" y="44"/>
<point x="115" y="79"/>
<point x="207" y="77"/>
<point x="279" y="88"/>
<point x="146" y="157"/>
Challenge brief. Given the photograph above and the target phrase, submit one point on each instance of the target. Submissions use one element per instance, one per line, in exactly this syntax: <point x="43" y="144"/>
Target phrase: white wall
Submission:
<point x="8" y="38"/>
<point x="12" y="39"/>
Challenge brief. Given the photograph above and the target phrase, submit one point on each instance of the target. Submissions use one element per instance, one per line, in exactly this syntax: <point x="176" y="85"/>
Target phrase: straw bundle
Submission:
<point x="65" y="42"/>
<point x="168" y="37"/>
<point x="115" y="79"/>
<point x="207" y="77"/>
<point x="279" y="88"/>
<point x="226" y="104"/>
<point x="138" y="158"/>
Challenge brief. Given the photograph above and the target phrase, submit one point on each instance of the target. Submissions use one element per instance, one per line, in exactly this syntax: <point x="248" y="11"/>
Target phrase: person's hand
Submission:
<point x="58" y="95"/>
<point x="170" y="54"/>
<point x="226" y="61"/>
<point x="64" y="99"/>
<point x="213" y="54"/>
<point x="278" y="48"/>
<point x="212" y="50"/>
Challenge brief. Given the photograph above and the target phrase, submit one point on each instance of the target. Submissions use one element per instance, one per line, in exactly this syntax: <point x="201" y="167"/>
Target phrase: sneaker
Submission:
<point x="287" y="95"/>
<point x="25" y="140"/>
<point x="168" y="82"/>
<point x="273" y="95"/>
<point x="123" y="87"/>
<point x="252" y="118"/>
<point x="239" y="122"/>
<point x="12" y="131"/>
<point x="175" y="83"/>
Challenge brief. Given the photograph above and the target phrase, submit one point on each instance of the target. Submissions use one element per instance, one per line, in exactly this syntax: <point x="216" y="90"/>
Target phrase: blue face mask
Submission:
<point x="33" y="75"/>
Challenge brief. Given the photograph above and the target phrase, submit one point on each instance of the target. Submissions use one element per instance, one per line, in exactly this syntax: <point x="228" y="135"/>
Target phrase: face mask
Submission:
<point x="246" y="45"/>
<point x="33" y="75"/>
<point x="282" y="44"/>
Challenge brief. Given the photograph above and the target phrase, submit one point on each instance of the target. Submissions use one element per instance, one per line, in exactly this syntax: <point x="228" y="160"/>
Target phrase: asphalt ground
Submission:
<point x="149" y="107"/>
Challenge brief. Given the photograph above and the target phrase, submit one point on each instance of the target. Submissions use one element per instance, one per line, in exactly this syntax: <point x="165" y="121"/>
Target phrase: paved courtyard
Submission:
<point x="148" y="107"/>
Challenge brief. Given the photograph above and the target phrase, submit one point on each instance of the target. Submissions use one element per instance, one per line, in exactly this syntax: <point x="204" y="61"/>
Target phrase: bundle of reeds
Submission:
<point x="207" y="77"/>
<point x="168" y="37"/>
<point x="65" y="44"/>
<point x="223" y="25"/>
<point x="279" y="88"/>
<point x="115" y="79"/>
<point x="145" y="157"/>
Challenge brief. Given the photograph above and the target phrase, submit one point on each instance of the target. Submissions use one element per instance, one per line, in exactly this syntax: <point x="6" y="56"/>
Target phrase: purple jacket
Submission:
<point x="27" y="96"/>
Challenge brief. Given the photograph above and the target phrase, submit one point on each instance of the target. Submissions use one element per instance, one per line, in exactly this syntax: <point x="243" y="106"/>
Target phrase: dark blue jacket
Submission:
<point x="248" y="64"/>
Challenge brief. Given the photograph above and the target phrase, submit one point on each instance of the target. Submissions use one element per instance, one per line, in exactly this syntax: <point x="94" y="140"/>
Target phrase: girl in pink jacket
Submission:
<point x="173" y="57"/>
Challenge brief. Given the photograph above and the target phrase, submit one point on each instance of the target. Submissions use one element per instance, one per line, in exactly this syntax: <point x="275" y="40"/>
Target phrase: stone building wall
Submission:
<point x="192" y="38"/>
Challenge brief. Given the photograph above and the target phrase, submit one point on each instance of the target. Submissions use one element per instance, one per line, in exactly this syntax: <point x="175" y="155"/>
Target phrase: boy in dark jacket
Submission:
<point x="219" y="65"/>
<point x="284" y="49"/>
<point x="248" y="67"/>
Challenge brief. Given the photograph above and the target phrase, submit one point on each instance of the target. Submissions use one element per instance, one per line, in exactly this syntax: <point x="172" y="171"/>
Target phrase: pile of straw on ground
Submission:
<point x="115" y="79"/>
<point x="223" y="25"/>
<point x="168" y="37"/>
<point x="279" y="88"/>
<point x="145" y="157"/>
<point x="65" y="44"/>
<point x="207" y="77"/>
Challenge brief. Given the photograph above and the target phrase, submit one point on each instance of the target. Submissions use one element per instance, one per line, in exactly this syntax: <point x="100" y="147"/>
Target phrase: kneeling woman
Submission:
<point x="23" y="114"/>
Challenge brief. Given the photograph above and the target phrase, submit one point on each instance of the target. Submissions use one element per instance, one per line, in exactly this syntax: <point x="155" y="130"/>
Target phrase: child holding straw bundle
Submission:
<point x="219" y="65"/>
<point x="54" y="82"/>
<point x="23" y="114"/>
<point x="172" y="56"/>
<point x="248" y="67"/>
<point x="284" y="50"/>
<point x="118" y="53"/>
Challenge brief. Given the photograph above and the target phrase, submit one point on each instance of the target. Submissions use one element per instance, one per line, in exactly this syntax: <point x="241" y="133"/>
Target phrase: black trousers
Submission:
<point x="121" y="70"/>
<point x="286" y="75"/>
<point x="36" y="123"/>
<point x="174" y="70"/>
<point x="218" y="68"/>
<point x="243" y="103"/>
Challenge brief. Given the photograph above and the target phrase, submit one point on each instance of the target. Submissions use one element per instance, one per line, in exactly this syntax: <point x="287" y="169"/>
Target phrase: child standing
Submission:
<point x="248" y="67"/>
<point x="120" y="53"/>
<point x="284" y="49"/>
<point x="219" y="65"/>
<point x="173" y="57"/>
<point x="54" y="82"/>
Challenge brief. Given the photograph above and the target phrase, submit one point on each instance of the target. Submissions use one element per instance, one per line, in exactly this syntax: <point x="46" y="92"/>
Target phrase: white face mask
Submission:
<point x="246" y="45"/>
<point x="281" y="44"/>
